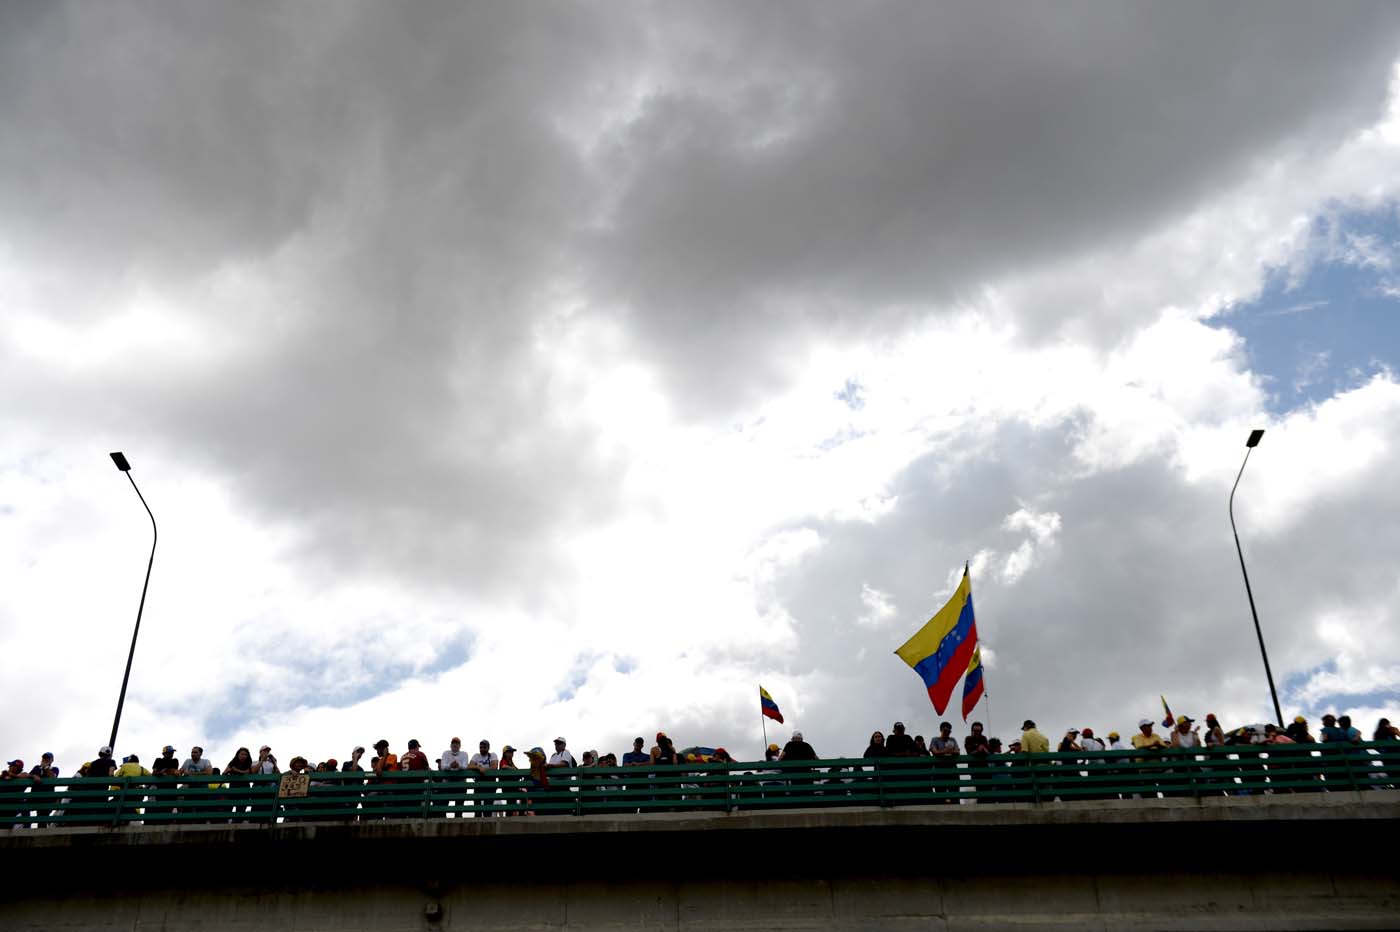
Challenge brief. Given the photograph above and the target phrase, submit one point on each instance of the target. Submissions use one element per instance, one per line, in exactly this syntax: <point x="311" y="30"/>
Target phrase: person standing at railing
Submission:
<point x="267" y="763"/>
<point x="13" y="784"/>
<point x="414" y="758"/>
<point x="131" y="767"/>
<point x="353" y="764"/>
<point x="876" y="748"/>
<point x="1298" y="731"/>
<point x="482" y="764"/>
<point x="899" y="743"/>
<point x="103" y="766"/>
<point x="454" y="764"/>
<point x="1149" y="741"/>
<point x="1032" y="741"/>
<point x="920" y="748"/>
<point x="978" y="748"/>
<point x="945" y="753"/>
<point x="1386" y="731"/>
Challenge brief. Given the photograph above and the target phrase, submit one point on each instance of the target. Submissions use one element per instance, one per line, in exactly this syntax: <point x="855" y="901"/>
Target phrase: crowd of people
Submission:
<point x="1184" y="733"/>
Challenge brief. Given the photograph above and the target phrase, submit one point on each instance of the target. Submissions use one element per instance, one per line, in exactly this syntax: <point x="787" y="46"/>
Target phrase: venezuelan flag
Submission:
<point x="942" y="649"/>
<point x="1168" y="720"/>
<point x="768" y="706"/>
<point x="972" y="684"/>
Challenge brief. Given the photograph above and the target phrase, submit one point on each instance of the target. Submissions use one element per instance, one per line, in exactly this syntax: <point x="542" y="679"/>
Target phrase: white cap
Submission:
<point x="1145" y="721"/>
<point x="797" y="736"/>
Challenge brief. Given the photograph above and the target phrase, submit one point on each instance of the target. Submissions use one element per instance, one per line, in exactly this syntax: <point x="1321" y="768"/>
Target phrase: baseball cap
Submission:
<point x="1088" y="731"/>
<point x="774" y="747"/>
<point x="797" y="736"/>
<point x="169" y="748"/>
<point x="1300" y="720"/>
<point x="560" y="741"/>
<point x="358" y="747"/>
<point x="104" y="750"/>
<point x="1072" y="731"/>
<point x="1027" y="724"/>
<point x="413" y="742"/>
<point x="265" y="747"/>
<point x="536" y="750"/>
<point x="1144" y="721"/>
<point x="15" y="761"/>
<point x="1184" y="719"/>
<point x="332" y="763"/>
<point x="381" y="743"/>
<point x="1113" y="734"/>
<point x="47" y="755"/>
<point x="507" y="750"/>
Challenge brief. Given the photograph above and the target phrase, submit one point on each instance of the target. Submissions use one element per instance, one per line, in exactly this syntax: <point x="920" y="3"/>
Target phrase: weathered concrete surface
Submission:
<point x="1286" y="862"/>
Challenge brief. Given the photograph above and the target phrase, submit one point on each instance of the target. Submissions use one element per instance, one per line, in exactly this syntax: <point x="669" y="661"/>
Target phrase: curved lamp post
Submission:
<point x="125" y="467"/>
<point x="1254" y="437"/>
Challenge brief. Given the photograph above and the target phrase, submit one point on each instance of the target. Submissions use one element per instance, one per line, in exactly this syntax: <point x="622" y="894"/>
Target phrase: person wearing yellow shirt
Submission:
<point x="131" y="767"/>
<point x="1145" y="739"/>
<point x="1032" y="741"/>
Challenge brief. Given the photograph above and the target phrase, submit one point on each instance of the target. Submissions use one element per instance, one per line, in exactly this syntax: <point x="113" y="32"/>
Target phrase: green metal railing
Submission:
<point x="888" y="782"/>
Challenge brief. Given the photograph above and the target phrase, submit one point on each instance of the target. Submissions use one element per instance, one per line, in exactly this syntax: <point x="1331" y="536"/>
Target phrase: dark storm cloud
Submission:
<point x="414" y="187"/>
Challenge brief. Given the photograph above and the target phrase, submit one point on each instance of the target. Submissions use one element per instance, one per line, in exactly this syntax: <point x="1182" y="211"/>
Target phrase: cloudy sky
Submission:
<point x="515" y="370"/>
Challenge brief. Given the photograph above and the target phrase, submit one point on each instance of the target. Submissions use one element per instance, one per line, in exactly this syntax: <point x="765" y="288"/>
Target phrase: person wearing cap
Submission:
<point x="102" y="766"/>
<point x="267" y="763"/>
<point x="1298" y="731"/>
<point x="664" y="751"/>
<point x="1088" y="742"/>
<point x="414" y="758"/>
<point x="1032" y="741"/>
<point x="798" y="749"/>
<point x="900" y="744"/>
<point x="454" y="758"/>
<point x="1146" y="739"/>
<point x="562" y="756"/>
<point x="353" y="764"/>
<point x="772" y="752"/>
<point x="1215" y="735"/>
<point x="44" y="770"/>
<point x="1070" y="742"/>
<point x="636" y="757"/>
<point x="167" y="765"/>
<point x="1183" y="735"/>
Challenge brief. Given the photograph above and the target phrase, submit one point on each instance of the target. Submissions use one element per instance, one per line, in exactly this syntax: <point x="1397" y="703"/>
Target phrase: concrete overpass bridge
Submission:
<point x="1238" y="838"/>
<point x="1267" y="861"/>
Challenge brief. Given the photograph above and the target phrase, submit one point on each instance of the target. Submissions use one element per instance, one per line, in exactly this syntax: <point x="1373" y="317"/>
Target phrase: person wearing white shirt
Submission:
<point x="483" y="760"/>
<point x="455" y="758"/>
<point x="561" y="757"/>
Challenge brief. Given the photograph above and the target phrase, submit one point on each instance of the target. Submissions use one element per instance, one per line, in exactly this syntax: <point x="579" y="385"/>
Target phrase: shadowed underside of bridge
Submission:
<point x="1262" y="862"/>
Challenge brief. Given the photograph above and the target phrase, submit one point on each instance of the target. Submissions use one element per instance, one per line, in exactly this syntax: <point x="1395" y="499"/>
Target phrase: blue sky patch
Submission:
<point x="1330" y="325"/>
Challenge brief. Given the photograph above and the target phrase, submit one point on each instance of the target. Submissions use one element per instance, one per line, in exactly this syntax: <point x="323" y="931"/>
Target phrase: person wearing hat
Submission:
<point x="1215" y="735"/>
<point x="1032" y="741"/>
<point x="798" y="749"/>
<point x="454" y="758"/>
<point x="562" y="756"/>
<point x="1298" y="731"/>
<point x="167" y="765"/>
<point x="1088" y="742"/>
<point x="103" y="765"/>
<point x="664" y="751"/>
<point x="1070" y="742"/>
<point x="1183" y="735"/>
<point x="267" y="763"/>
<point x="353" y="764"/>
<point x="414" y="758"/>
<point x="899" y="744"/>
<point x="1146" y="739"/>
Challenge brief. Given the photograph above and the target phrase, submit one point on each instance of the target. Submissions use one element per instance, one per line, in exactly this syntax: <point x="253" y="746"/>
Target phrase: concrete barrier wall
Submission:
<point x="1245" y="863"/>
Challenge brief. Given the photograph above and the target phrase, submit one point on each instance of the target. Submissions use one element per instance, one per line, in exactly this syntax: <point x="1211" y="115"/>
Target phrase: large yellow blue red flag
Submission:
<point x="942" y="649"/>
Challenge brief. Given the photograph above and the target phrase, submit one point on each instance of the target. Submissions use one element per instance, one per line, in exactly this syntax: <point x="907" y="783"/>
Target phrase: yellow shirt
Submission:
<point x="1033" y="742"/>
<point x="131" y="770"/>
<point x="1141" y="740"/>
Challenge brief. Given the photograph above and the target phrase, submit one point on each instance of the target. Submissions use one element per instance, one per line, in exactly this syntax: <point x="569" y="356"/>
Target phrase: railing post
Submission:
<point x="121" y="802"/>
<point x="1035" y="784"/>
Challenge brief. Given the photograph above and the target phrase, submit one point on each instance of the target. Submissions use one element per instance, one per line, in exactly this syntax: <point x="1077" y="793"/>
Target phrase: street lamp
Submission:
<point x="125" y="467"/>
<point x="1254" y="437"/>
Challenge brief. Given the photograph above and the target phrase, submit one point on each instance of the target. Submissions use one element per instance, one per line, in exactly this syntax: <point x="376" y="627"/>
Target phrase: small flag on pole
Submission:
<point x="941" y="650"/>
<point x="768" y="706"/>
<point x="1170" y="720"/>
<point x="972" y="683"/>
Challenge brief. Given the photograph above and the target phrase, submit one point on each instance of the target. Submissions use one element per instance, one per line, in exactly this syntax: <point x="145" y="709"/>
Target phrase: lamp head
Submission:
<point x="1254" y="438"/>
<point x="124" y="466"/>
